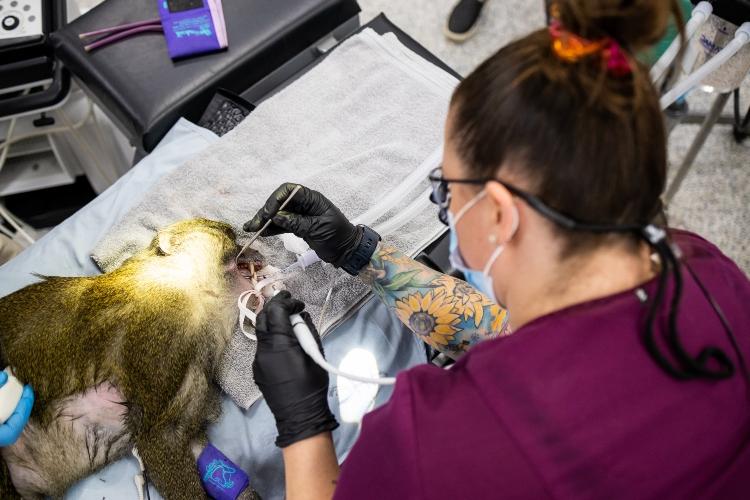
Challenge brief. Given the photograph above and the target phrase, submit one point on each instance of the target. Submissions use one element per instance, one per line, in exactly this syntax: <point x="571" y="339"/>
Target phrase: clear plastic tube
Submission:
<point x="391" y="199"/>
<point x="406" y="215"/>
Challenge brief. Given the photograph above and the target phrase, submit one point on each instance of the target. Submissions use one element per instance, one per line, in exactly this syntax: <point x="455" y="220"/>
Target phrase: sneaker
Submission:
<point x="462" y="23"/>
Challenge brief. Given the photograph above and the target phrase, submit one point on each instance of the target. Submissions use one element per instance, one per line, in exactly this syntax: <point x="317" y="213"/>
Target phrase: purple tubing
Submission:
<point x="108" y="40"/>
<point x="123" y="27"/>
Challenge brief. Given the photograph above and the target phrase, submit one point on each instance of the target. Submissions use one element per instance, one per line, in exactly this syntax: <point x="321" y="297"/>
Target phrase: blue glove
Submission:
<point x="13" y="427"/>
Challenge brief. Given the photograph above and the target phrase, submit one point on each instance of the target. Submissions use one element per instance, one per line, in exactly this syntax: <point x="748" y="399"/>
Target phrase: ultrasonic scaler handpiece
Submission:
<point x="307" y="341"/>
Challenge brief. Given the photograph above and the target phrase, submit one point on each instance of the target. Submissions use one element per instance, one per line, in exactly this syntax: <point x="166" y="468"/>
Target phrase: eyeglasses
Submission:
<point x="441" y="196"/>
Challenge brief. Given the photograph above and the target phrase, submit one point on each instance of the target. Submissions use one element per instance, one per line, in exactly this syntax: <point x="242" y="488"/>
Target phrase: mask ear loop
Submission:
<point x="469" y="204"/>
<point x="501" y="247"/>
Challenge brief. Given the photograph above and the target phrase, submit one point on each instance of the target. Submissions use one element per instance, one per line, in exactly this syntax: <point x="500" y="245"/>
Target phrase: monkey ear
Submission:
<point x="163" y="244"/>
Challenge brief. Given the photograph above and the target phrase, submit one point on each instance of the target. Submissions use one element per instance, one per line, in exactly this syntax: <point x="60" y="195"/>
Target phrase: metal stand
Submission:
<point x="710" y="120"/>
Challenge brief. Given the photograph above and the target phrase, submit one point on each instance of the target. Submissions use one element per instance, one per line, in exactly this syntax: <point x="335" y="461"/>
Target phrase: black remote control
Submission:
<point x="225" y="112"/>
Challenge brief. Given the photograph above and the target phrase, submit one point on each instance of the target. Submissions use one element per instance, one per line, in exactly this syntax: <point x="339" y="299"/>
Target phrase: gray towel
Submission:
<point x="353" y="128"/>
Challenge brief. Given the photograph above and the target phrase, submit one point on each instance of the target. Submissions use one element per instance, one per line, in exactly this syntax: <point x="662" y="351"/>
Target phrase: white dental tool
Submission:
<point x="10" y="395"/>
<point x="310" y="346"/>
<point x="268" y="223"/>
<point x="304" y="336"/>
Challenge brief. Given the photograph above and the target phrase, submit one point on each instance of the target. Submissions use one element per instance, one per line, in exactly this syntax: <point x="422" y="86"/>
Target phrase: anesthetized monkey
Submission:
<point x="123" y="359"/>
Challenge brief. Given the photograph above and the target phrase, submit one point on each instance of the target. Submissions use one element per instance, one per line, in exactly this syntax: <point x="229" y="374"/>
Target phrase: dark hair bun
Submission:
<point x="635" y="24"/>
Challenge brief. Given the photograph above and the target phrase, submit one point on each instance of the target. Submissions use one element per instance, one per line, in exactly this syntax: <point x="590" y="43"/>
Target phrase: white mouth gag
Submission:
<point x="251" y="302"/>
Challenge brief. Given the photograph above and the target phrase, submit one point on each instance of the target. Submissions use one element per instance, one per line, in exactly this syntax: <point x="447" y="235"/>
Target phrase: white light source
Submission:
<point x="357" y="398"/>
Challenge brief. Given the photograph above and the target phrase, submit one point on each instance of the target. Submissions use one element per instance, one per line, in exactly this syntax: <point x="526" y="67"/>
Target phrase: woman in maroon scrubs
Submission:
<point x="625" y="373"/>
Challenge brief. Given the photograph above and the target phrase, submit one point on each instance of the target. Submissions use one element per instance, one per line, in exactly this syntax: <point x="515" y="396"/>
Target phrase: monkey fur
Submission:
<point x="123" y="359"/>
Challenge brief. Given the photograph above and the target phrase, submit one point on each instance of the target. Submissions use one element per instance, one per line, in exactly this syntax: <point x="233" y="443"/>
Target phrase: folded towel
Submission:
<point x="353" y="127"/>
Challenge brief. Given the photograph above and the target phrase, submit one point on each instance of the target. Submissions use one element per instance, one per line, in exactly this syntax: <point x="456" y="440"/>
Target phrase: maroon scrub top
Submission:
<point x="572" y="406"/>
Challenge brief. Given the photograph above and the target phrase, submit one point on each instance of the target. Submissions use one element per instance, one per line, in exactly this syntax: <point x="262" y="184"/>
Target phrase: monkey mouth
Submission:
<point x="250" y="263"/>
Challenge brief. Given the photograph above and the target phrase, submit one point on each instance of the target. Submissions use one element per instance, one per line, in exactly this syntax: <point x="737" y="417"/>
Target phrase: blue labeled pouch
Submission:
<point x="222" y="479"/>
<point x="193" y="27"/>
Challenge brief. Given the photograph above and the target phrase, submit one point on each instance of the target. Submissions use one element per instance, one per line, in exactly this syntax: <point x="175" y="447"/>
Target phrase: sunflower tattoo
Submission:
<point x="445" y="312"/>
<point x="468" y="301"/>
<point x="430" y="316"/>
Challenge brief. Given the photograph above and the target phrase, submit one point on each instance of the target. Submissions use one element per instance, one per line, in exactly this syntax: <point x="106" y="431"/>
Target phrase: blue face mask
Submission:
<point x="481" y="280"/>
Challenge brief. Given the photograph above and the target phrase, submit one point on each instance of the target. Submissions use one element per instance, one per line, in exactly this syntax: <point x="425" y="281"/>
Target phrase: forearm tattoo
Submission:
<point x="447" y="313"/>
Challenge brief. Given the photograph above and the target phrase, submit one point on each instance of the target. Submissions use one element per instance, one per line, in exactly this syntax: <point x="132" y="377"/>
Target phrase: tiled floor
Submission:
<point x="715" y="197"/>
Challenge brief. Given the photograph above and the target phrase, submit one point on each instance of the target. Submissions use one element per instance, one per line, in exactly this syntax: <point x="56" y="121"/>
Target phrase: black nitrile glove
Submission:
<point x="295" y="387"/>
<point x="312" y="217"/>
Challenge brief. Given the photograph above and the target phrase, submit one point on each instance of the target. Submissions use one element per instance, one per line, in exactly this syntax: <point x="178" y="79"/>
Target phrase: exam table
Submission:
<point x="374" y="335"/>
<point x="246" y="437"/>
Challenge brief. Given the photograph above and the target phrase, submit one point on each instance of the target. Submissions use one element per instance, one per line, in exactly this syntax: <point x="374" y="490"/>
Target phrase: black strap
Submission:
<point x="361" y="256"/>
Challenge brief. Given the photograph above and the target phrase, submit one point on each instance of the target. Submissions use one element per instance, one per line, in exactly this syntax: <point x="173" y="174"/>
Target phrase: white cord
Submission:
<point x="406" y="215"/>
<point x="310" y="346"/>
<point x="5" y="214"/>
<point x="6" y="232"/>
<point x="392" y="198"/>
<point x="304" y="336"/>
<point x="140" y="480"/>
<point x="92" y="156"/>
<point x="8" y="139"/>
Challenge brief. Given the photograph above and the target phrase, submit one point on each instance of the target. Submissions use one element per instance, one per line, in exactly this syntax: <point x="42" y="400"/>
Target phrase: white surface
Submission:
<point x="81" y="141"/>
<point x="29" y="16"/>
<point x="10" y="395"/>
<point x="32" y="172"/>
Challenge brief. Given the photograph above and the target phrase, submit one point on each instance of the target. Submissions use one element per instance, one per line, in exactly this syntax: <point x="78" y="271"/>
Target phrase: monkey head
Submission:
<point x="199" y="240"/>
<point x="194" y="253"/>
